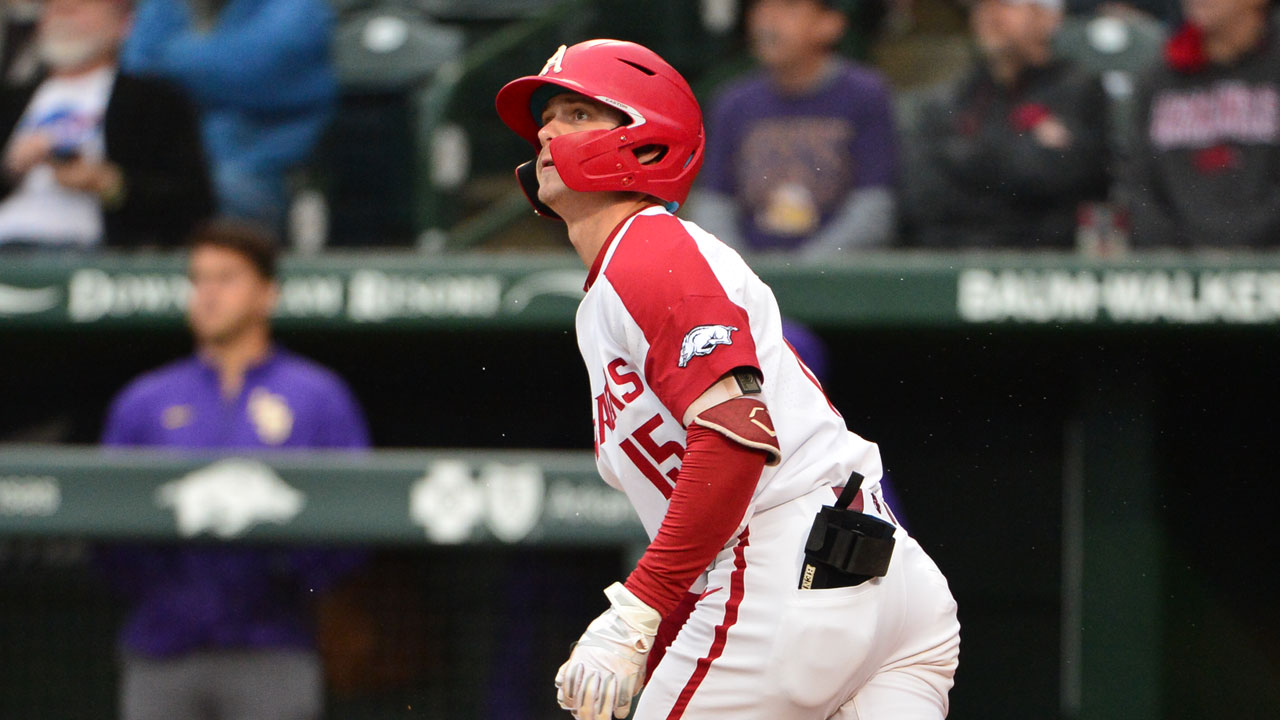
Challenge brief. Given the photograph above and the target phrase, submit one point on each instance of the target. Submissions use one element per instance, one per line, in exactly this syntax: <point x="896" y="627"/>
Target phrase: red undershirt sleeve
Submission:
<point x="713" y="490"/>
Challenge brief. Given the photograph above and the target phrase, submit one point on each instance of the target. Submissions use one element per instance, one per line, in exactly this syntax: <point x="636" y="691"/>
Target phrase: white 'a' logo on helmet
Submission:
<point x="553" y="62"/>
<point x="703" y="339"/>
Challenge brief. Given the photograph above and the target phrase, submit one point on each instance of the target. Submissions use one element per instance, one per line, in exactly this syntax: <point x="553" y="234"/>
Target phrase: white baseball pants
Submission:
<point x="758" y="648"/>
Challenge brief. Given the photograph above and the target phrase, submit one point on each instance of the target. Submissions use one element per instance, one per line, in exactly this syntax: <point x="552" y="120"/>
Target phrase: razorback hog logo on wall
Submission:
<point x="703" y="339"/>
<point x="229" y="497"/>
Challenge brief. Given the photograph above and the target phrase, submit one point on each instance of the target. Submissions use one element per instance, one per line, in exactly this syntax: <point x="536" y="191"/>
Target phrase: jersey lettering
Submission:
<point x="607" y="407"/>
<point x="627" y="378"/>
<point x="608" y="404"/>
<point x="647" y="462"/>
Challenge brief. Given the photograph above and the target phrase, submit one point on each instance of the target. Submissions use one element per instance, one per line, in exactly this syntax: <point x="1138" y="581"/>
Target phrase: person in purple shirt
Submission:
<point x="801" y="155"/>
<point x="222" y="632"/>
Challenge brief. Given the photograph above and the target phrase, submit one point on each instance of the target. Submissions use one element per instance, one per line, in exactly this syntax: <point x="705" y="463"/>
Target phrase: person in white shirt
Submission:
<point x="91" y="155"/>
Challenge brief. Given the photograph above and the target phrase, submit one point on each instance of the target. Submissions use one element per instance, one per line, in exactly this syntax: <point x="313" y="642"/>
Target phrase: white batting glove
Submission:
<point x="605" y="671"/>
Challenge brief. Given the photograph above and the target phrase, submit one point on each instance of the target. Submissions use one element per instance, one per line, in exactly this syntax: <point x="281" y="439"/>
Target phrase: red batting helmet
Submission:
<point x="633" y="79"/>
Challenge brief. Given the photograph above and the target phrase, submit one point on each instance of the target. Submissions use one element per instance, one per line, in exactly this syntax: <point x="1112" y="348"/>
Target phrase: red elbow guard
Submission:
<point x="746" y="421"/>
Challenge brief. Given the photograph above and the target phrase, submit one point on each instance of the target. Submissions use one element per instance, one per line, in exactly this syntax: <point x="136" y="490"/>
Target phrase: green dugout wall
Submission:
<point x="1087" y="448"/>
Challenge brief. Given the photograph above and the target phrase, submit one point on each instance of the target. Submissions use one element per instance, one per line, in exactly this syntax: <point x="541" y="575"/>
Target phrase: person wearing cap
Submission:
<point x="1207" y="134"/>
<point x="94" y="155"/>
<point x="801" y="154"/>
<point x="777" y="583"/>
<point x="1006" y="155"/>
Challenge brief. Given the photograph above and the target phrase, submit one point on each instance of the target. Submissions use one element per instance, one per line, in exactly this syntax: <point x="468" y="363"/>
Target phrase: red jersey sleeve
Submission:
<point x="696" y="333"/>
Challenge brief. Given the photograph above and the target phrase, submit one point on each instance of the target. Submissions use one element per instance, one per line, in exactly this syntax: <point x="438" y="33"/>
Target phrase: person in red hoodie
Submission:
<point x="1206" y="165"/>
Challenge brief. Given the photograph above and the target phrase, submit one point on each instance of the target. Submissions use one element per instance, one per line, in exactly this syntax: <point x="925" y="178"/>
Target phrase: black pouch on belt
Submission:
<point x="846" y="547"/>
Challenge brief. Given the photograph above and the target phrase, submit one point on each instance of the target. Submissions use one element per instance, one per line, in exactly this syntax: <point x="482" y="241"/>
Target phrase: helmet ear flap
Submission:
<point x="527" y="176"/>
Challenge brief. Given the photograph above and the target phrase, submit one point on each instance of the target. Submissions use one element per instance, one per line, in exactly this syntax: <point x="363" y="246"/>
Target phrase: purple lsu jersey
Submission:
<point x="287" y="401"/>
<point x="191" y="598"/>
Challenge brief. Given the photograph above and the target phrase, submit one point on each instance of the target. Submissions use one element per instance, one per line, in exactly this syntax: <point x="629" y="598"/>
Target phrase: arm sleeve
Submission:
<point x="713" y="491"/>
<point x="350" y="428"/>
<point x="123" y="426"/>
<point x="866" y="220"/>
<point x="344" y="422"/>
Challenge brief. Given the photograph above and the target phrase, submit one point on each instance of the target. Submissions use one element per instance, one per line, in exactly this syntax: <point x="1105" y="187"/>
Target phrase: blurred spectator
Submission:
<point x="94" y="154"/>
<point x="1009" y="153"/>
<point x="260" y="72"/>
<point x="19" y="61"/>
<point x="219" y="632"/>
<point x="1206" y="165"/>
<point x="800" y="155"/>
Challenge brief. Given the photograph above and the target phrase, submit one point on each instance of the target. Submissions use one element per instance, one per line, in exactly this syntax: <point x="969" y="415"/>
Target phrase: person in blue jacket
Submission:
<point x="260" y="72"/>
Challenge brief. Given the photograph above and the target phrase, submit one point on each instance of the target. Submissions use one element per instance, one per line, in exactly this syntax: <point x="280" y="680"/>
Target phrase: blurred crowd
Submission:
<point x="1074" y="125"/>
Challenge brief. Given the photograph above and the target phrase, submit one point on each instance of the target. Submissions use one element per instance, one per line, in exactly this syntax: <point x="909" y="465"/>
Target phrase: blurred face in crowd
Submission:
<point x="1215" y="15"/>
<point x="81" y="33"/>
<point x="1013" y="31"/>
<point x="787" y="33"/>
<point x="229" y="297"/>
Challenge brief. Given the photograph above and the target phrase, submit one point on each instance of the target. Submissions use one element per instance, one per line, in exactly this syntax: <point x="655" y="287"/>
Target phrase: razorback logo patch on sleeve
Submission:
<point x="701" y="340"/>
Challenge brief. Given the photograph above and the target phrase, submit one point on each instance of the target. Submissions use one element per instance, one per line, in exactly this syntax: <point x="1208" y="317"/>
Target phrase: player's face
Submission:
<point x="785" y="32"/>
<point x="568" y="113"/>
<point x="228" y="295"/>
<point x="1213" y="15"/>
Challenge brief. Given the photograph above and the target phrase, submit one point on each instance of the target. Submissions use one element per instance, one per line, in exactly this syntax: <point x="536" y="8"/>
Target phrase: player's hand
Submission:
<point x="605" y="671"/>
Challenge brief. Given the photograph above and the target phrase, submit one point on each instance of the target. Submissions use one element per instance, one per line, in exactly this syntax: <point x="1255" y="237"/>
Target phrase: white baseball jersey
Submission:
<point x="669" y="310"/>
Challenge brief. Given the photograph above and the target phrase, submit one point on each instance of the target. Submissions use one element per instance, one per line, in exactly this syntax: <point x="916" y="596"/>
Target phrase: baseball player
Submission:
<point x="764" y="512"/>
